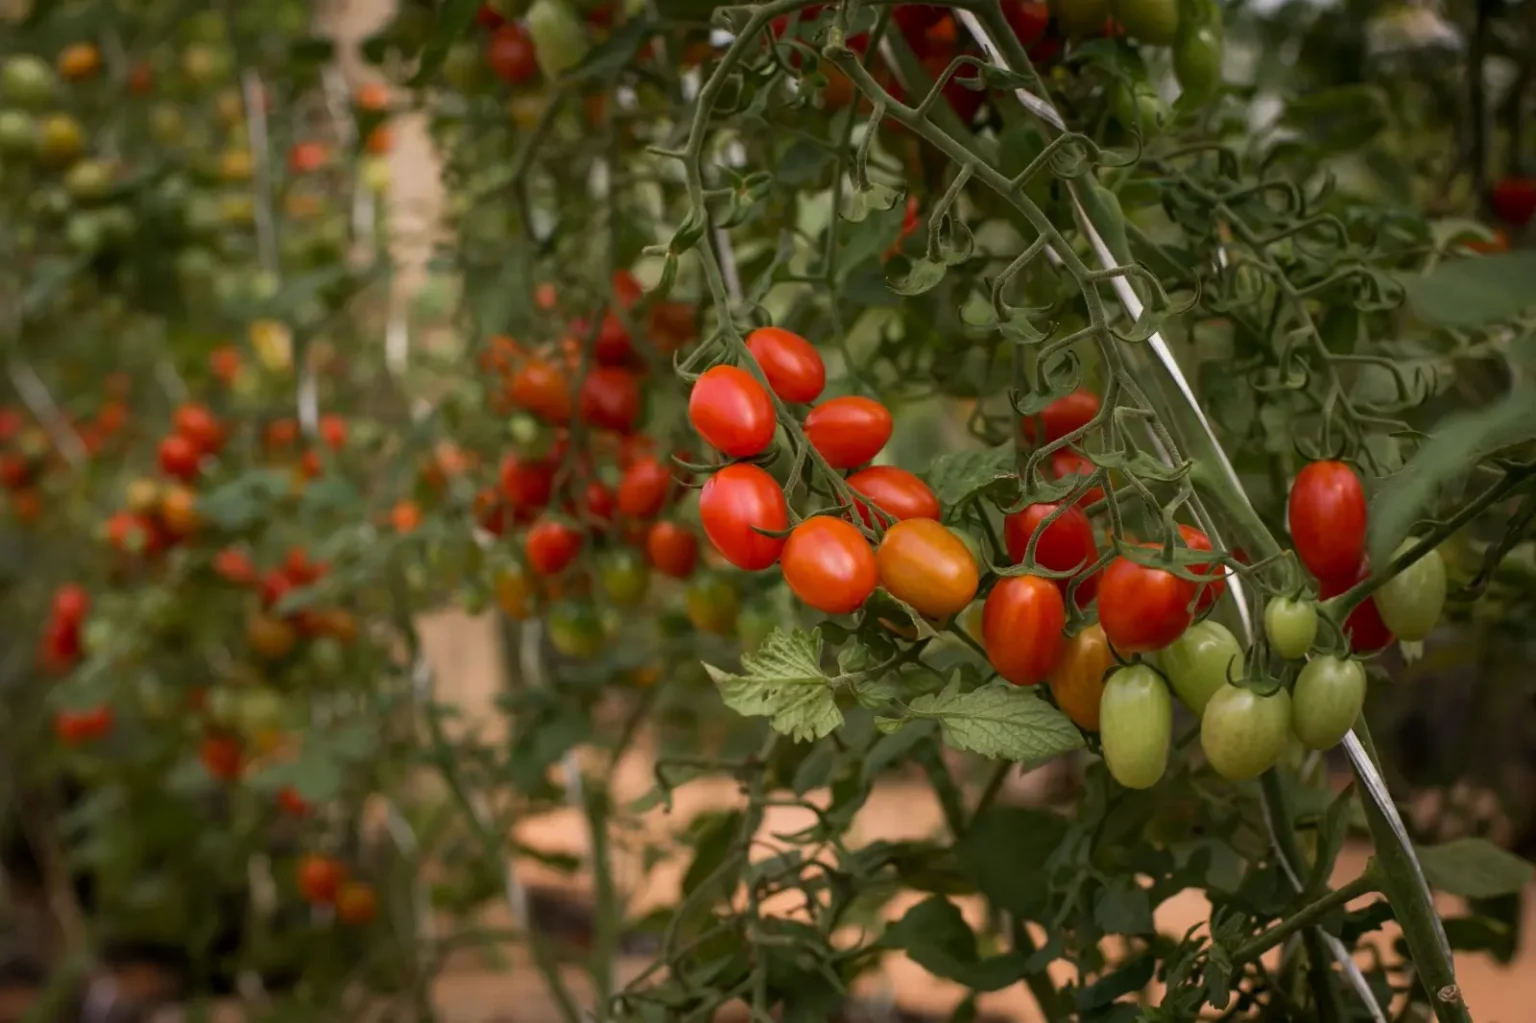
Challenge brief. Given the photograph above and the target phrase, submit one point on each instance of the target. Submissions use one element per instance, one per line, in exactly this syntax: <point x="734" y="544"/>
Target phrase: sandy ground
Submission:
<point x="466" y="657"/>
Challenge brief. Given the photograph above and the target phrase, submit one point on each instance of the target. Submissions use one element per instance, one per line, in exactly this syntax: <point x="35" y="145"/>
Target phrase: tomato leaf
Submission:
<point x="1458" y="443"/>
<point x="1471" y="293"/>
<point x="960" y="475"/>
<point x="1123" y="907"/>
<point x="999" y="720"/>
<point x="998" y="841"/>
<point x="1474" y="868"/>
<point x="922" y="275"/>
<point x="454" y="17"/>
<point x="937" y="938"/>
<point x="784" y="682"/>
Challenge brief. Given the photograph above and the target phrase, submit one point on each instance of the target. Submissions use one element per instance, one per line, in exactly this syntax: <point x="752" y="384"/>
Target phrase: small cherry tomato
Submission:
<point x="293" y="804"/>
<point x="540" y="387"/>
<point x="894" y="491"/>
<point x="179" y="457"/>
<point x="270" y="637"/>
<point x="828" y="565"/>
<point x="1326" y="700"/>
<point x="234" y="565"/>
<point x="1291" y="626"/>
<point x="510" y="53"/>
<point x="1200" y="662"/>
<point x="221" y="756"/>
<point x="1029" y="19"/>
<point x="515" y="592"/>
<point x="178" y="511"/>
<point x="1077" y="681"/>
<point x="734" y="504"/>
<point x="1364" y="627"/>
<point x="732" y="411"/>
<point x="320" y="878"/>
<point x="1411" y="601"/>
<point x="610" y="398"/>
<point x="551" y="546"/>
<point x="1143" y="609"/>
<point x="1135" y="726"/>
<point x="1513" y="200"/>
<point x="713" y="605"/>
<point x="1209" y="592"/>
<point x="1021" y="628"/>
<point x="644" y="487"/>
<point x="356" y="904"/>
<point x="527" y="483"/>
<point x="575" y="629"/>
<point x="672" y="549"/>
<point x="1244" y="734"/>
<point x="1153" y="22"/>
<point x="926" y="565"/>
<point x="76" y="727"/>
<point x="1065" y="415"/>
<point x="1066" y="544"/>
<point x="1327" y="520"/>
<point x="71" y="603"/>
<point x="624" y="577"/>
<point x="200" y="426"/>
<point x="1067" y="464"/>
<point x="792" y="365"/>
<point x="848" y="431"/>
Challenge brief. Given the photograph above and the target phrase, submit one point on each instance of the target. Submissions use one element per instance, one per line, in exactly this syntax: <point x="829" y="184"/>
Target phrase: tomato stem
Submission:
<point x="1306" y="916"/>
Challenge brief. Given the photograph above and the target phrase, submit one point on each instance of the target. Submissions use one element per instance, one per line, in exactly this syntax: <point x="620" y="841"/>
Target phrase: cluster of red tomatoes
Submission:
<point x="323" y="881"/>
<point x="27" y="452"/>
<point x="62" y="634"/>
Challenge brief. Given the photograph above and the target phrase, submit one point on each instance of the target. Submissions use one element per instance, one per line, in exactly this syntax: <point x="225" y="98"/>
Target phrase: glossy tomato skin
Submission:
<point x="200" y="426"/>
<point x="1410" y="602"/>
<point x="733" y="504"/>
<point x="1065" y="415"/>
<point x="540" y="387"/>
<point x="1195" y="540"/>
<point x="1328" y="697"/>
<point x="610" y="398"/>
<point x="644" y="488"/>
<point x="510" y="54"/>
<point x="896" y="492"/>
<point x="551" y="546"/>
<point x="527" y="483"/>
<point x="1364" y="627"/>
<point x="1077" y="681"/>
<point x="828" y="565"/>
<point x="848" y="431"/>
<point x="732" y="411"/>
<point x="1291" y="626"/>
<point x="1064" y="545"/>
<point x="1135" y="726"/>
<point x="1143" y="609"/>
<point x="792" y="365"/>
<point x="179" y="457"/>
<point x="1021" y="624"/>
<point x="1200" y="662"/>
<point x="1327" y="520"/>
<point x="1244" y="734"/>
<point x="672" y="549"/>
<point x="926" y="565"/>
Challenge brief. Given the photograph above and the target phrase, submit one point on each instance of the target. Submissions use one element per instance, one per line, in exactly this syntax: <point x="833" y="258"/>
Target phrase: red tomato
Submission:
<point x="133" y="534"/>
<point x="551" y="545"/>
<point x="916" y="19"/>
<point x="791" y="363"/>
<point x="510" y="53"/>
<point x="1364" y="627"/>
<point x="626" y="288"/>
<point x="829" y="565"/>
<point x="673" y="325"/>
<point x="643" y="488"/>
<point x="732" y="411"/>
<point x="896" y="492"/>
<point x="672" y="549"/>
<point x="75" y="727"/>
<point x="848" y="431"/>
<point x="298" y="566"/>
<point x="1143" y="609"/>
<point x="733" y="504"/>
<point x="1327" y="520"/>
<point x="275" y="585"/>
<point x="71" y="603"/>
<point x="1029" y="19"/>
<point x="333" y="431"/>
<point x="1513" y="200"/>
<point x="221" y="756"/>
<point x="1065" y="544"/>
<point x="610" y="398"/>
<point x="540" y="387"/>
<point x="320" y="877"/>
<point x="489" y="17"/>
<point x="1021" y="628"/>
<point x="1209" y="593"/>
<point x="200" y="426"/>
<point x="613" y="346"/>
<point x="179" y="457"/>
<point x="1063" y="416"/>
<point x="293" y="804"/>
<point x="307" y="157"/>
<point x="527" y="483"/>
<point x="491" y="513"/>
<point x="61" y="646"/>
<point x="597" y="502"/>
<point x="1067" y="463"/>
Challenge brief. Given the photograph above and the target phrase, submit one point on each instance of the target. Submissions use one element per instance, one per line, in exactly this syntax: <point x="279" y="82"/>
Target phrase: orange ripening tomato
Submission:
<point x="1077" y="681"/>
<point x="371" y="96"/>
<point x="828" y="565"/>
<point x="356" y="904"/>
<point x="307" y="157"/>
<point x="848" y="431"/>
<point x="405" y="516"/>
<point x="925" y="564"/>
<point x="1021" y="628"/>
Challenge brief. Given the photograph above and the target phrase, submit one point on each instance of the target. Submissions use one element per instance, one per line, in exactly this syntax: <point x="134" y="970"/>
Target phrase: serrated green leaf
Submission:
<point x="1470" y="293"/>
<point x="922" y="275"/>
<point x="1474" y="868"/>
<point x="783" y="681"/>
<point x="999" y="720"/>
<point x="958" y="476"/>
<point x="1458" y="443"/>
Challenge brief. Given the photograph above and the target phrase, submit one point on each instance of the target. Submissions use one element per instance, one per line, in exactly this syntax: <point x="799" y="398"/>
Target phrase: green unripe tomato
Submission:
<point x="625" y="577"/>
<point x="575" y="629"/>
<point x="559" y="38"/>
<point x="1197" y="57"/>
<point x="713" y="604"/>
<point x="1200" y="662"/>
<point x="1243" y="733"/>
<point x="89" y="181"/>
<point x="1135" y="726"/>
<point x="27" y="81"/>
<point x="1139" y="108"/>
<point x="754" y="625"/>
<point x="327" y="655"/>
<point x="83" y="232"/>
<point x="1328" y="696"/>
<point x="18" y="134"/>
<point x="1154" y="22"/>
<point x="1411" y="601"/>
<point x="257" y="710"/>
<point x="1080" y="19"/>
<point x="1291" y="626"/>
